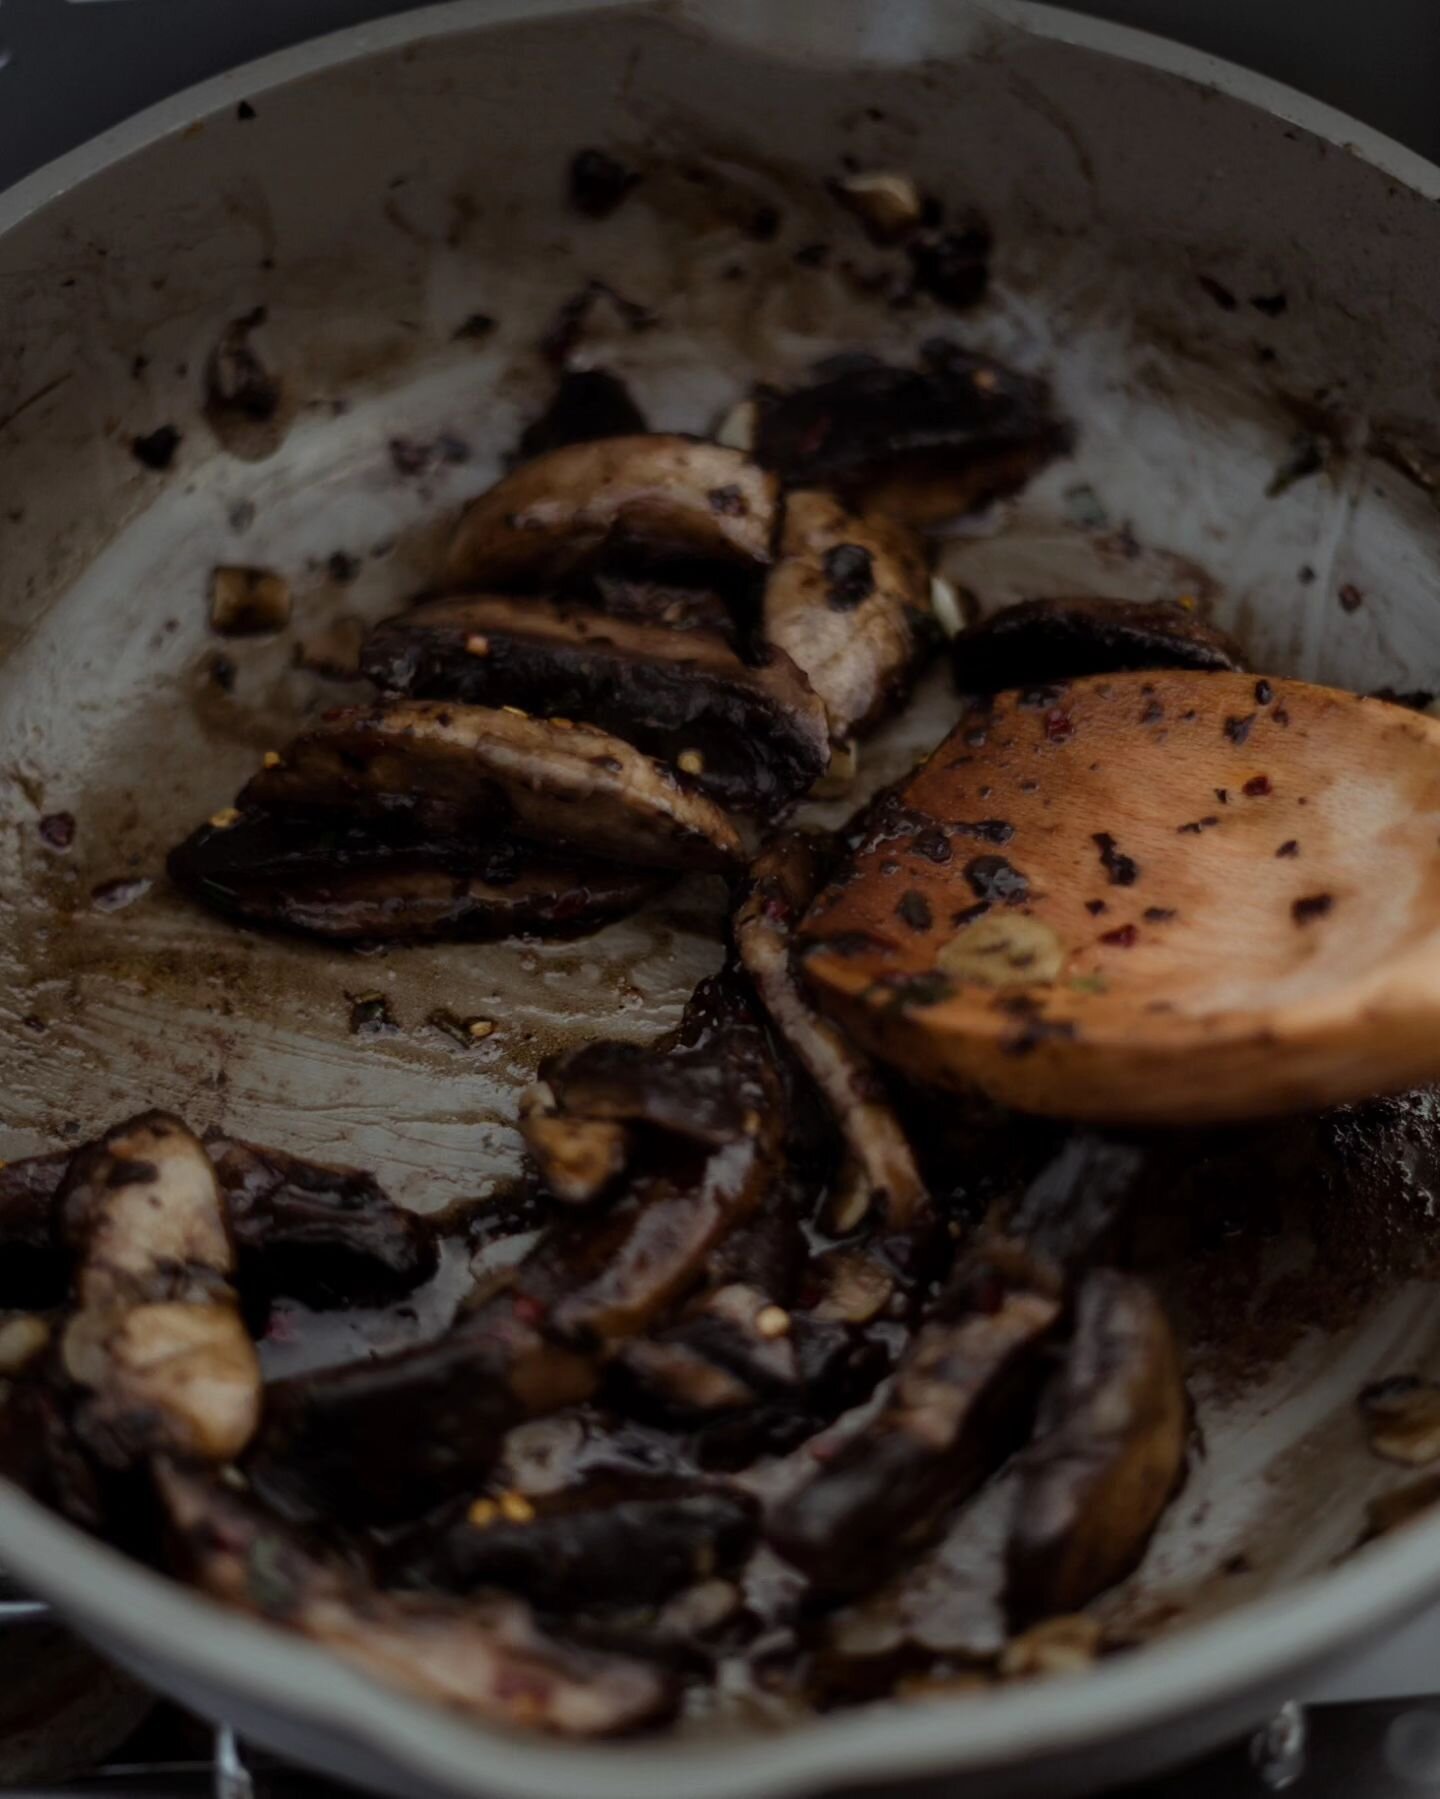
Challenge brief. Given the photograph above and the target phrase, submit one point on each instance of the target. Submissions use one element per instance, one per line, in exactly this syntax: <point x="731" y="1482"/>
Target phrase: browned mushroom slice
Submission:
<point x="1108" y="1454"/>
<point x="849" y="602"/>
<point x="383" y="881"/>
<point x="924" y="445"/>
<point x="668" y="496"/>
<point x="328" y="1236"/>
<point x="454" y="768"/>
<point x="578" y="1157"/>
<point x="961" y="1400"/>
<point x="749" y="736"/>
<point x="881" y="1172"/>
<point x="708" y="604"/>
<point x="627" y="1543"/>
<point x="1038" y="641"/>
<point x="155" y="1344"/>
<point x="389" y="1437"/>
<point x="486" y="1655"/>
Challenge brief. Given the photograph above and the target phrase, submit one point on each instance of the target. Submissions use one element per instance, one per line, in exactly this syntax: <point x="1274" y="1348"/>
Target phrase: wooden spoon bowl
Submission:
<point x="1166" y="897"/>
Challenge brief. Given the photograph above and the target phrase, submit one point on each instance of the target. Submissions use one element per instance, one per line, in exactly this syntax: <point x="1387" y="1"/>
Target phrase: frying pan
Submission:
<point x="1234" y="289"/>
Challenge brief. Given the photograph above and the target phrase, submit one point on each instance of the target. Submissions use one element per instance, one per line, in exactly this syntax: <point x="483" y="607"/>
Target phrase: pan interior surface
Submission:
<point x="1235" y="313"/>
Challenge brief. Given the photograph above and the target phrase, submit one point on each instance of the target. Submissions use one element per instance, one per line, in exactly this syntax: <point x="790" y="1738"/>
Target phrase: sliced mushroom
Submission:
<point x="384" y="881"/>
<point x="578" y="1157"/>
<point x="486" y="1656"/>
<point x="1108" y="1455"/>
<point x="961" y="1399"/>
<point x="663" y="496"/>
<point x="453" y="768"/>
<point x="328" y="1236"/>
<point x="391" y="1436"/>
<point x="155" y="1346"/>
<point x="923" y="445"/>
<point x="387" y="1438"/>
<point x="849" y="602"/>
<point x="882" y="1172"/>
<point x="708" y="604"/>
<point x="749" y="736"/>
<point x="588" y="404"/>
<point x="749" y="1375"/>
<point x="1038" y="641"/>
<point x="631" y="1544"/>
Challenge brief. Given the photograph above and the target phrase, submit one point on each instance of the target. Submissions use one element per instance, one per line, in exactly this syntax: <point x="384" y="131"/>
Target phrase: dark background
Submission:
<point x="77" y="66"/>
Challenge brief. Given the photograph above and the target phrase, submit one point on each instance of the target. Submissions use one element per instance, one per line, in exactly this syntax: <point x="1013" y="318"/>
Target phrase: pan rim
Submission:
<point x="1205" y="1667"/>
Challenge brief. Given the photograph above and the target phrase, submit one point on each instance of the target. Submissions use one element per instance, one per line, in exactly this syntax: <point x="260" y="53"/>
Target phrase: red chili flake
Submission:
<point x="1290" y="847"/>
<point x="1223" y="795"/>
<point x="1281" y="716"/>
<point x="1258" y="785"/>
<point x="1351" y="598"/>
<point x="1123" y="936"/>
<point x="1312" y="906"/>
<point x="58" y="829"/>
<point x="728" y="500"/>
<point x="1059" y="726"/>
<point x="528" y="1309"/>
<point x="1096" y="907"/>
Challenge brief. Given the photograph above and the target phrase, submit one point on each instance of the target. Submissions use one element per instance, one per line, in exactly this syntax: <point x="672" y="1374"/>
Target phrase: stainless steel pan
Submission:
<point x="1229" y="282"/>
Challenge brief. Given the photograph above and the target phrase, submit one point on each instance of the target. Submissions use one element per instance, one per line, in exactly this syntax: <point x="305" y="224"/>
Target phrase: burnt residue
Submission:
<point x="1124" y="936"/>
<point x="566" y="331"/>
<point x="116" y="895"/>
<point x="244" y="398"/>
<point x="914" y="911"/>
<point x="370" y="1015"/>
<point x="156" y="449"/>
<point x="1120" y="869"/>
<point x="1311" y="906"/>
<point x="1197" y="825"/>
<point x="849" y="571"/>
<point x="988" y="830"/>
<point x="1159" y="914"/>
<point x="1218" y="292"/>
<point x="598" y="183"/>
<point x="1290" y="847"/>
<point x="1305" y="456"/>
<point x="1258" y="787"/>
<point x="57" y="830"/>
<point x="587" y="404"/>
<point x="1238" y="729"/>
<point x="994" y="879"/>
<point x="953" y="266"/>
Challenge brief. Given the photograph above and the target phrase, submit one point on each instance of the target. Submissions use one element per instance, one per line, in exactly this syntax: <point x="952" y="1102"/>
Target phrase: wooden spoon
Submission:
<point x="1166" y="897"/>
